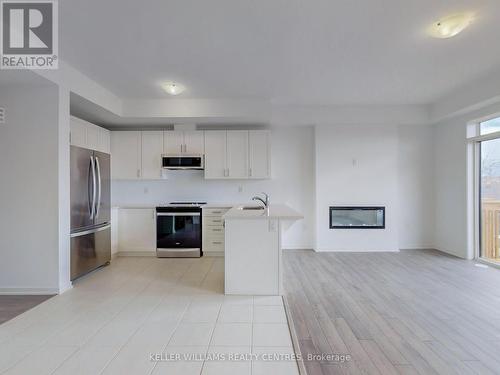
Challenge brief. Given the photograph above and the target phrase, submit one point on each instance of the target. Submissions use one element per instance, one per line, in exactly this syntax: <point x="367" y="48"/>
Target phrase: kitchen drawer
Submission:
<point x="213" y="237"/>
<point x="213" y="221"/>
<point x="214" y="243"/>
<point x="214" y="230"/>
<point x="214" y="211"/>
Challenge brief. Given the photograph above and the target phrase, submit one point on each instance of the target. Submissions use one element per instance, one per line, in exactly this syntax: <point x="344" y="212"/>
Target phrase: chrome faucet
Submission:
<point x="265" y="201"/>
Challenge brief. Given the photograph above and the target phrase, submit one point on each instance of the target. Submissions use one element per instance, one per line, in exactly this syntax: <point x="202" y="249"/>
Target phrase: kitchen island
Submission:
<point x="253" y="253"/>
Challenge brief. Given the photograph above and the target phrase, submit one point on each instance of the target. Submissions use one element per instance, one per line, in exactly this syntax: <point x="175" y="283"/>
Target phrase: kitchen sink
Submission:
<point x="250" y="208"/>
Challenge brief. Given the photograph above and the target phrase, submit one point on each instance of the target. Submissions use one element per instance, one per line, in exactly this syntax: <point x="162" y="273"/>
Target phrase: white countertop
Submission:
<point x="153" y="206"/>
<point x="274" y="211"/>
<point x="132" y="206"/>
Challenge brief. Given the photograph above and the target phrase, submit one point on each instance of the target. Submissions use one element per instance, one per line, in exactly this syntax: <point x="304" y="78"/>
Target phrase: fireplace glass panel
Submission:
<point x="357" y="217"/>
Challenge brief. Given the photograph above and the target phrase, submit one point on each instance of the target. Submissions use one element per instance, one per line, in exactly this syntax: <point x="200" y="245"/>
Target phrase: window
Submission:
<point x="489" y="199"/>
<point x="490" y="126"/>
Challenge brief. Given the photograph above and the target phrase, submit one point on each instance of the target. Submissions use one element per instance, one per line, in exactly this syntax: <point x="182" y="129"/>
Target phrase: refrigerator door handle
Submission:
<point x="90" y="231"/>
<point x="99" y="184"/>
<point x="92" y="201"/>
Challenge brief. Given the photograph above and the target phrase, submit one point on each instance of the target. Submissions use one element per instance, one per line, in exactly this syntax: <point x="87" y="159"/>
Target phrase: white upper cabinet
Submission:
<point x="152" y="149"/>
<point x="92" y="137"/>
<point x="259" y="147"/>
<point x="237" y="154"/>
<point x="104" y="142"/>
<point x="215" y="154"/>
<point x="184" y="142"/>
<point x="78" y="129"/>
<point x="229" y="154"/>
<point x="194" y="142"/>
<point x="126" y="155"/>
<point x="87" y="135"/>
<point x="173" y="142"/>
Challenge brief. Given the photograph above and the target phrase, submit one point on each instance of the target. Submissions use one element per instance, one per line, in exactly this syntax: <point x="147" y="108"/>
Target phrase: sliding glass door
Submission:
<point x="489" y="192"/>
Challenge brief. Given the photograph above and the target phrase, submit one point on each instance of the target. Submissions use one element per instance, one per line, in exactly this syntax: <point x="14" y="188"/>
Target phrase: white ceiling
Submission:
<point x="328" y="52"/>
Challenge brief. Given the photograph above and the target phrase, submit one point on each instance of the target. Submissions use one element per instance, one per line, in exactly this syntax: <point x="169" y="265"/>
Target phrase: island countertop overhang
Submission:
<point x="274" y="211"/>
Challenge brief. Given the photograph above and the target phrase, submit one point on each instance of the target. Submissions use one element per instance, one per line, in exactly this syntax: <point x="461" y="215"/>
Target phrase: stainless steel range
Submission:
<point x="178" y="230"/>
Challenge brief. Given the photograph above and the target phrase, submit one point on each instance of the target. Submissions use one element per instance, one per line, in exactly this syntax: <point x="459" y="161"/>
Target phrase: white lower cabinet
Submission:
<point x="213" y="231"/>
<point x="115" y="211"/>
<point x="136" y="231"/>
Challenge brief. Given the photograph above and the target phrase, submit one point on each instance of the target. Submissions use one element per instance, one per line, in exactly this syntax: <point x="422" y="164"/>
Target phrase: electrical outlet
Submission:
<point x="240" y="189"/>
<point x="146" y="190"/>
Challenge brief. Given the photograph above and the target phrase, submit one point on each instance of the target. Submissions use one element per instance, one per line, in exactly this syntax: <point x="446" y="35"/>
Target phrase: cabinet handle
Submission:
<point x="138" y="173"/>
<point x="217" y="212"/>
<point x="217" y="221"/>
<point x="217" y="230"/>
<point x="217" y="243"/>
<point x="250" y="172"/>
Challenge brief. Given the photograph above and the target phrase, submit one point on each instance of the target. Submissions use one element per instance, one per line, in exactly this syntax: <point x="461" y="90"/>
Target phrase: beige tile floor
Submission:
<point x="114" y="319"/>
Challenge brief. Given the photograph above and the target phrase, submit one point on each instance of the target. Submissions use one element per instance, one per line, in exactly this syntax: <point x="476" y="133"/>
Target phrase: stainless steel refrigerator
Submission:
<point x="90" y="210"/>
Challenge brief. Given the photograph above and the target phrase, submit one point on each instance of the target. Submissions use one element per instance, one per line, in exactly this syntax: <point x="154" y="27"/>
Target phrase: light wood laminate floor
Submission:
<point x="413" y="312"/>
<point x="114" y="319"/>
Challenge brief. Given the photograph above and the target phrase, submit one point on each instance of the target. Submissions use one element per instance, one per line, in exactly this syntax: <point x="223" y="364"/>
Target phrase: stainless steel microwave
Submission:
<point x="183" y="162"/>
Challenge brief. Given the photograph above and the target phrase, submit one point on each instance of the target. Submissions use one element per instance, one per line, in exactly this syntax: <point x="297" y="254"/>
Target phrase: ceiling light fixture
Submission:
<point x="173" y="88"/>
<point x="450" y="26"/>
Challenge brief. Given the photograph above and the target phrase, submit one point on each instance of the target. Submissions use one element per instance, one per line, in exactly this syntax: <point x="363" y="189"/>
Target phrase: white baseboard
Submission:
<point x="28" y="291"/>
<point x="356" y="251"/>
<point x="417" y="247"/>
<point x="135" y="253"/>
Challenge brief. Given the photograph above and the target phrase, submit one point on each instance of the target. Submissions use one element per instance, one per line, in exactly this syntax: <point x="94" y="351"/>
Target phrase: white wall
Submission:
<point x="357" y="165"/>
<point x="450" y="180"/>
<point x="292" y="183"/>
<point x="29" y="241"/>
<point x="64" y="189"/>
<point x="416" y="187"/>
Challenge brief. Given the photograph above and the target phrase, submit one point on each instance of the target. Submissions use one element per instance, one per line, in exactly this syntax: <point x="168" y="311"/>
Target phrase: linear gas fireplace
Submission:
<point x="351" y="217"/>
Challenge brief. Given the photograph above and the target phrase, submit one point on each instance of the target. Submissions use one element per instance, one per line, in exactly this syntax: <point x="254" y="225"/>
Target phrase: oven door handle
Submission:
<point x="177" y="214"/>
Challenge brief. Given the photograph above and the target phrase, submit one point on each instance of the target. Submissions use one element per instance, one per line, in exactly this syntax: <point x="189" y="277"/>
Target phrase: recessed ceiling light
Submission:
<point x="173" y="88"/>
<point x="450" y="26"/>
